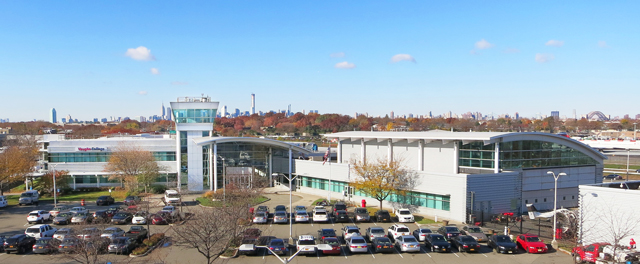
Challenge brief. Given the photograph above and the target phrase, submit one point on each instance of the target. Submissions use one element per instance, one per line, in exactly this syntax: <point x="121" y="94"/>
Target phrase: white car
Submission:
<point x="38" y="216"/>
<point x="59" y="209"/>
<point x="404" y="216"/>
<point x="320" y="215"/>
<point x="302" y="216"/>
<point x="140" y="218"/>
<point x="40" y="231"/>
<point x="397" y="230"/>
<point x="306" y="244"/>
<point x="78" y="209"/>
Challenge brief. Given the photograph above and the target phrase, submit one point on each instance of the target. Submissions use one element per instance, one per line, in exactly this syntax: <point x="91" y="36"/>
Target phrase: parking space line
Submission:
<point x="264" y="252"/>
<point x="455" y="254"/>
<point x="371" y="252"/>
<point x="484" y="255"/>
<point x="425" y="251"/>
<point x="394" y="248"/>
<point x="343" y="252"/>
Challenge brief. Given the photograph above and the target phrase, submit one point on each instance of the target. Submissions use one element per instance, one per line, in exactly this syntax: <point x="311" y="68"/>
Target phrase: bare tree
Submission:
<point x="381" y="178"/>
<point x="89" y="250"/>
<point x="133" y="165"/>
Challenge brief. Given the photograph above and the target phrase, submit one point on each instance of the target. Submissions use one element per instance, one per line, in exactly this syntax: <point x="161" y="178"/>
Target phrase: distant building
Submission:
<point x="253" y="104"/>
<point x="53" y="117"/>
<point x="168" y="117"/>
<point x="555" y="114"/>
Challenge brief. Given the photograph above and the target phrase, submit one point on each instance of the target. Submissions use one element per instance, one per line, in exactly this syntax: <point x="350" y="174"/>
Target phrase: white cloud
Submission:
<point x="483" y="44"/>
<point x="155" y="71"/>
<point x="602" y="44"/>
<point x="555" y="43"/>
<point x="337" y="55"/>
<point x="512" y="50"/>
<point x="344" y="65"/>
<point x="140" y="53"/>
<point x="179" y="83"/>
<point x="542" y="58"/>
<point x="402" y="57"/>
<point x="142" y="92"/>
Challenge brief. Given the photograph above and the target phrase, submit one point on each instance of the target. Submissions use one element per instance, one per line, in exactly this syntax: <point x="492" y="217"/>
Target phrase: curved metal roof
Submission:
<point x="466" y="137"/>
<point x="269" y="142"/>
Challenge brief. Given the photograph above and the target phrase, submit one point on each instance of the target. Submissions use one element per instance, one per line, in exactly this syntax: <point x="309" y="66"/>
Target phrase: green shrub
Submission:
<point x="157" y="188"/>
<point x="154" y="239"/>
<point x="147" y="242"/>
<point x="140" y="250"/>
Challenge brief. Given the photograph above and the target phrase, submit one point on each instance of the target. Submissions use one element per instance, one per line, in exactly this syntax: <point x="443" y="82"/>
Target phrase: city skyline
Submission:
<point x="96" y="59"/>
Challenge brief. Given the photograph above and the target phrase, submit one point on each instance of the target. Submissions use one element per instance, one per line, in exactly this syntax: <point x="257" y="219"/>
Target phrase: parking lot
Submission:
<point x="13" y="221"/>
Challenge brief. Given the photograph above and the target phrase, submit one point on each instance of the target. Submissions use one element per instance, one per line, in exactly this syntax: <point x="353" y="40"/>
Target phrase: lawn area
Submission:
<point x="210" y="203"/>
<point x="621" y="166"/>
<point x="423" y="221"/>
<point x="74" y="196"/>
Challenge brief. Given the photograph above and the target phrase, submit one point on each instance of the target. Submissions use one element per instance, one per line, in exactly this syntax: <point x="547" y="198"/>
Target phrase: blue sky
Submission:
<point x="331" y="56"/>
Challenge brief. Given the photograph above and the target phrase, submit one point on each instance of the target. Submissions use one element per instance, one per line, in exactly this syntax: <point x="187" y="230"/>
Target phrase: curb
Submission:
<point x="298" y="195"/>
<point x="148" y="250"/>
<point x="564" y="251"/>
<point x="235" y="254"/>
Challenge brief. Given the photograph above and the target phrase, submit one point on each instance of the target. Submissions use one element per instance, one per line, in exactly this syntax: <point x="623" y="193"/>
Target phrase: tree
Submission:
<point x="380" y="179"/>
<point x="45" y="184"/>
<point x="212" y="231"/>
<point x="133" y="165"/>
<point x="16" y="161"/>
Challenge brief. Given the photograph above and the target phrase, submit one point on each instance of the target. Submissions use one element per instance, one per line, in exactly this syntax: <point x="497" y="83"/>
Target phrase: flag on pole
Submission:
<point x="326" y="155"/>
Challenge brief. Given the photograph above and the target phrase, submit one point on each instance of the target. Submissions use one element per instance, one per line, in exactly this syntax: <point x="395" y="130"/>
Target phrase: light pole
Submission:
<point x="554" y="243"/>
<point x="55" y="192"/>
<point x="634" y="131"/>
<point x="628" y="153"/>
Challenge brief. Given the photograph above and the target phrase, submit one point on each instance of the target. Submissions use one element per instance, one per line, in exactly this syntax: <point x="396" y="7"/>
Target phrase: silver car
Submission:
<point x="260" y="218"/>
<point x="350" y="231"/>
<point x="357" y="244"/>
<point x="373" y="232"/>
<point x="302" y="216"/>
<point x="112" y="232"/>
<point x="407" y="244"/>
<point x="81" y="218"/>
<point x="63" y="233"/>
<point x="280" y="217"/>
<point x="475" y="232"/>
<point x="89" y="233"/>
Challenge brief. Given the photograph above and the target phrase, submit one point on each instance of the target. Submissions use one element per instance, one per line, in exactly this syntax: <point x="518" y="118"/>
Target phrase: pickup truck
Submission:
<point x="249" y="241"/>
<point x="588" y="253"/>
<point x="137" y="233"/>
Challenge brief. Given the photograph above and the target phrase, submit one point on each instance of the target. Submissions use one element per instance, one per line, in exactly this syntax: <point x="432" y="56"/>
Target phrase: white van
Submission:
<point x="3" y="201"/>
<point x="29" y="197"/>
<point x="171" y="197"/>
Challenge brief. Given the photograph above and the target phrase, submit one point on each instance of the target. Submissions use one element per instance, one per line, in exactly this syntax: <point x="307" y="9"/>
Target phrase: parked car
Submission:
<point x="299" y="208"/>
<point x="19" y="243"/>
<point x="326" y="232"/>
<point x="262" y="208"/>
<point x="132" y="200"/>
<point x="160" y="218"/>
<point x="404" y="216"/>
<point x="3" y="203"/>
<point x="302" y="216"/>
<point x="45" y="245"/>
<point x="382" y="245"/>
<point x="172" y="197"/>
<point x="121" y="218"/>
<point x="101" y="216"/>
<point x="112" y="232"/>
<point x="113" y="210"/>
<point x="437" y="243"/>
<point x="306" y="244"/>
<point x="466" y="243"/>
<point x="280" y="208"/>
<point x="613" y="177"/>
<point x="502" y="244"/>
<point x="421" y="233"/>
<point x="357" y="244"/>
<point x="89" y="233"/>
<point x="373" y="232"/>
<point x="78" y="209"/>
<point x="82" y="218"/>
<point x="63" y="233"/>
<point x="280" y="217"/>
<point x="260" y="217"/>
<point x="320" y="215"/>
<point x="29" y="197"/>
<point x="397" y="230"/>
<point x="475" y="232"/>
<point x="39" y="216"/>
<point x="122" y="245"/>
<point x="361" y="215"/>
<point x="58" y="209"/>
<point x="341" y="216"/>
<point x="38" y="231"/>
<point x="277" y="246"/>
<point x="382" y="216"/>
<point x="105" y="200"/>
<point x="63" y="219"/>
<point x="336" y="246"/>
<point x="349" y="231"/>
<point x="449" y="232"/>
<point x="338" y="206"/>
<point x="140" y="218"/>
<point x="249" y="241"/>
<point x="407" y="243"/>
<point x="137" y="233"/>
<point x="531" y="243"/>
<point x="69" y="245"/>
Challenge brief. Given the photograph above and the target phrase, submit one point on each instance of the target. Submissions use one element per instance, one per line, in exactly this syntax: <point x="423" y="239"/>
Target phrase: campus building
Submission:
<point x="463" y="175"/>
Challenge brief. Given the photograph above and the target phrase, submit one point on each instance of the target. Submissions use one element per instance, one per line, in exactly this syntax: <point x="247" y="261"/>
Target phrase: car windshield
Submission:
<point x="503" y="239"/>
<point x="437" y="238"/>
<point x="81" y="214"/>
<point x="280" y="214"/>
<point x="26" y="195"/>
<point x="341" y="206"/>
<point x="376" y="231"/>
<point x="280" y="208"/>
<point x="77" y="209"/>
<point x="533" y="239"/>
<point x="69" y="241"/>
<point x="383" y="240"/>
<point x="403" y="229"/>
<point x="62" y="232"/>
<point x="383" y="213"/>
<point x="260" y="214"/>
<point x="361" y="211"/>
<point x="306" y="242"/>
<point x="277" y="243"/>
<point x="63" y="215"/>
<point x="474" y="230"/>
<point x="425" y="231"/>
<point x="34" y="214"/>
<point x="302" y="213"/>
<point x="119" y="240"/>
<point x="353" y="230"/>
<point x="57" y="209"/>
<point x="328" y="232"/>
<point x="332" y="242"/>
<point x="102" y="197"/>
<point x="404" y="212"/>
<point x="358" y="241"/>
<point x="110" y="231"/>
<point x="173" y="195"/>
<point x="467" y="239"/>
<point x="130" y="198"/>
<point x="141" y="214"/>
<point x="33" y="230"/>
<point x="410" y="239"/>
<point x="452" y="229"/>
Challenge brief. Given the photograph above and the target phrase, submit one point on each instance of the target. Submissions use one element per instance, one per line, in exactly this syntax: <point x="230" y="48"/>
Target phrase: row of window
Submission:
<point x="194" y="115"/>
<point x="87" y="179"/>
<point x="440" y="202"/>
<point x="101" y="156"/>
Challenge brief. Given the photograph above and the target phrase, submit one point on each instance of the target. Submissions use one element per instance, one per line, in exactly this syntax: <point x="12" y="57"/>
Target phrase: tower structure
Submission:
<point x="194" y="118"/>
<point x="163" y="112"/>
<point x="253" y="103"/>
<point x="53" y="117"/>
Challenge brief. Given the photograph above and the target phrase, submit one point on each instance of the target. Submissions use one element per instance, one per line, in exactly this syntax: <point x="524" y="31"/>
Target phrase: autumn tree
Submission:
<point x="380" y="178"/>
<point x="133" y="165"/>
<point x="45" y="184"/>
<point x="18" y="159"/>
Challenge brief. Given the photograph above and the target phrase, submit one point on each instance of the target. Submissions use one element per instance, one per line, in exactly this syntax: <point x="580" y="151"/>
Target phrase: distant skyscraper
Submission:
<point x="168" y="117"/>
<point x="224" y="111"/>
<point x="253" y="104"/>
<point x="555" y="114"/>
<point x="392" y="116"/>
<point x="53" y="117"/>
<point x="163" y="111"/>
<point x="69" y="119"/>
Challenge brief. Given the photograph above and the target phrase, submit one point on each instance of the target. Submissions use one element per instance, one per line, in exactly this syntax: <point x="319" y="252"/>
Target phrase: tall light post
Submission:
<point x="554" y="243"/>
<point x="628" y="153"/>
<point x="55" y="191"/>
<point x="634" y="131"/>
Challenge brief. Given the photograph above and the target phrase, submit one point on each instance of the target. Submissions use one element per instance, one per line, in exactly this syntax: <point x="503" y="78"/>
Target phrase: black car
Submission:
<point x="46" y="245"/>
<point x="341" y="216"/>
<point x="502" y="244"/>
<point x="101" y="216"/>
<point x="121" y="218"/>
<point x="20" y="243"/>
<point x="466" y="244"/>
<point x="383" y="216"/>
<point x="132" y="200"/>
<point x="113" y="210"/>
<point x="326" y="232"/>
<point x="613" y="177"/>
<point x="338" y="206"/>
<point x="105" y="200"/>
<point x="122" y="245"/>
<point x="449" y="232"/>
<point x="437" y="243"/>
<point x="382" y="245"/>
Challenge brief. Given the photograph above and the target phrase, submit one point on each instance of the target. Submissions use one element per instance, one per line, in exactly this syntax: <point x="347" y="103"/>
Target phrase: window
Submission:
<point x="526" y="201"/>
<point x="545" y="200"/>
<point x="538" y="154"/>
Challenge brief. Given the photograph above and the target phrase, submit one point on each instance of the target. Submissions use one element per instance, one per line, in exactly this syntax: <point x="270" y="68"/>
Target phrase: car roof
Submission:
<point x="305" y="237"/>
<point x="171" y="191"/>
<point x="382" y="211"/>
<point x="320" y="210"/>
<point x="36" y="226"/>
<point x="399" y="225"/>
<point x="356" y="237"/>
<point x="406" y="236"/>
<point x="376" y="227"/>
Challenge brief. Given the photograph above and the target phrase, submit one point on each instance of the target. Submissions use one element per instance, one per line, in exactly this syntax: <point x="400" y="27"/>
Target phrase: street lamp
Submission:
<point x="55" y="192"/>
<point x="554" y="243"/>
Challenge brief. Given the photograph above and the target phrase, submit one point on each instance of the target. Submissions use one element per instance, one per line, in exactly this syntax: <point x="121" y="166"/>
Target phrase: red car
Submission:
<point x="161" y="218"/>
<point x="335" y="245"/>
<point x="531" y="243"/>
